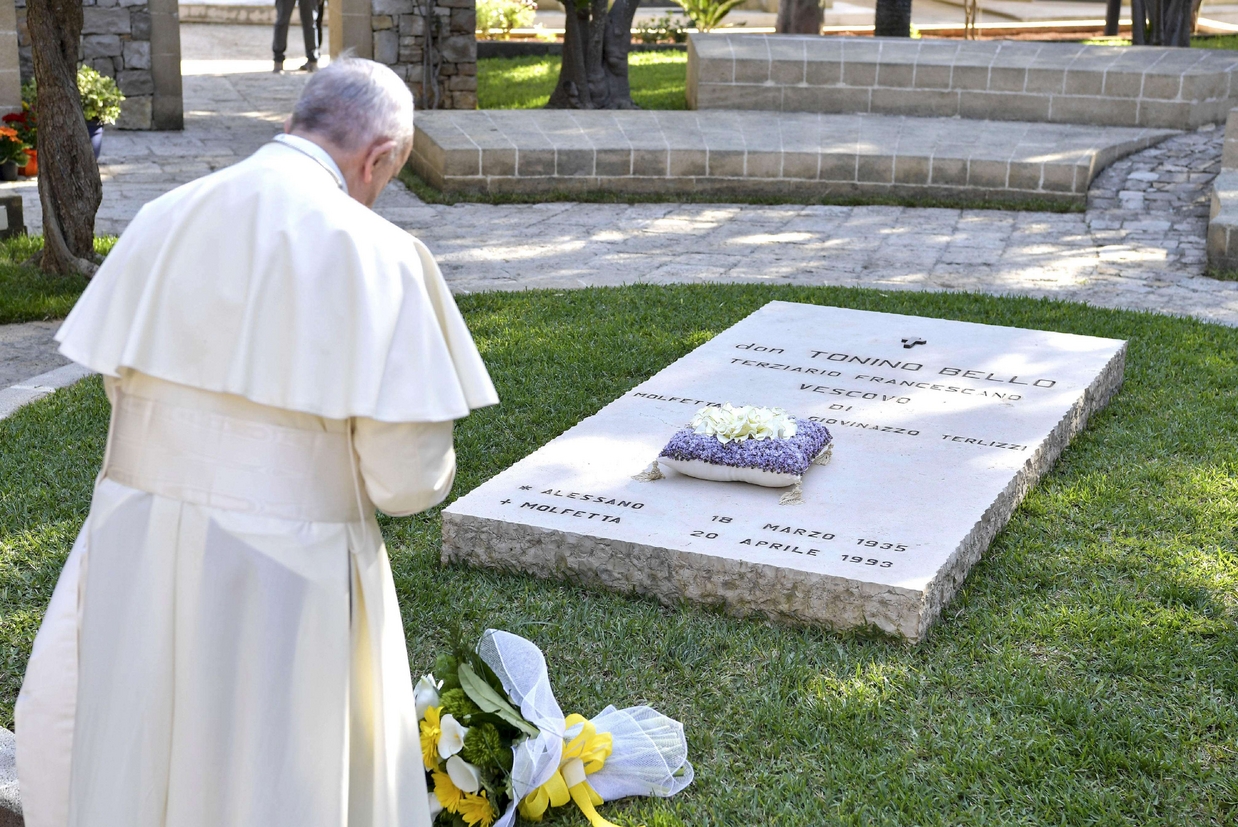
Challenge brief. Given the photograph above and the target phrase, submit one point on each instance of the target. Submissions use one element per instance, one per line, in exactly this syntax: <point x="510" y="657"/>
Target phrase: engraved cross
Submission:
<point x="912" y="341"/>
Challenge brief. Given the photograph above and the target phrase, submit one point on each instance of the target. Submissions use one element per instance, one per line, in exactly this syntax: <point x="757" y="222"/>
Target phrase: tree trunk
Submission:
<point x="892" y="18"/>
<point x="1163" y="22"/>
<point x="594" y="71"/>
<point x="69" y="185"/>
<point x="1179" y="19"/>
<point x="800" y="17"/>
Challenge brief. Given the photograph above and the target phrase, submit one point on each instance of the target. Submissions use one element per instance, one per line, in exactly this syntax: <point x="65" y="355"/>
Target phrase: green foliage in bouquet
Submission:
<point x="101" y="97"/>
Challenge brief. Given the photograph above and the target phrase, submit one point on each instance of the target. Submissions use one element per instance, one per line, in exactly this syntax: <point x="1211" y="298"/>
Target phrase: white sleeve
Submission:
<point x="406" y="467"/>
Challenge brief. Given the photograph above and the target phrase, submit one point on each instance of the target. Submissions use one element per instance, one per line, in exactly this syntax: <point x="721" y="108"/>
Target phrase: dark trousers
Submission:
<point x="311" y="26"/>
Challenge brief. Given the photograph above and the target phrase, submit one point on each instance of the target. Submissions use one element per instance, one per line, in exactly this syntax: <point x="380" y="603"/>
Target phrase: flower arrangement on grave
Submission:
<point x="495" y="742"/>
<point x="746" y="443"/>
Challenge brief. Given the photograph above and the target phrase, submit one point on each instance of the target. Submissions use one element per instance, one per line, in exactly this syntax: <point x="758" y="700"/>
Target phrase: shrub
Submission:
<point x="504" y="15"/>
<point x="101" y="98"/>
<point x="664" y="29"/>
<point x="707" y="14"/>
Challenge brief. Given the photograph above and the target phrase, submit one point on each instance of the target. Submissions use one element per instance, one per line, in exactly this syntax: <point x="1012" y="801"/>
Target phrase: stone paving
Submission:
<point x="27" y="350"/>
<point x="1140" y="245"/>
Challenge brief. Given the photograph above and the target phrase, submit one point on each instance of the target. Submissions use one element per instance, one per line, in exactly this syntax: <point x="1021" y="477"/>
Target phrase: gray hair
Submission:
<point x="353" y="102"/>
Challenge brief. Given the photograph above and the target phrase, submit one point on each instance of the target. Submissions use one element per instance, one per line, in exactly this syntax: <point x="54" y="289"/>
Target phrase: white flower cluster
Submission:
<point x="733" y="424"/>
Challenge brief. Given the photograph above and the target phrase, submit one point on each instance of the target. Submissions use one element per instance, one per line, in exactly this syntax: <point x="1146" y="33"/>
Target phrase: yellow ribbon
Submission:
<point x="582" y="756"/>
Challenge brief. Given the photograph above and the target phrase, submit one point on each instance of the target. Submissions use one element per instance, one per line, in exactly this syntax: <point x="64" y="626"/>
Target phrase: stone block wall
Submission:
<point x="137" y="42"/>
<point x="415" y="37"/>
<point x="1049" y="82"/>
<point x="10" y="75"/>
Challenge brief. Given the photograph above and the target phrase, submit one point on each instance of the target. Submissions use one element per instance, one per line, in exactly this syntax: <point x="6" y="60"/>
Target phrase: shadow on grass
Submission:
<point x="27" y="294"/>
<point x="1085" y="674"/>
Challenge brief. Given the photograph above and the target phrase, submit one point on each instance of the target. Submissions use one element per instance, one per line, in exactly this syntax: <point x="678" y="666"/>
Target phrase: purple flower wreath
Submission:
<point x="790" y="455"/>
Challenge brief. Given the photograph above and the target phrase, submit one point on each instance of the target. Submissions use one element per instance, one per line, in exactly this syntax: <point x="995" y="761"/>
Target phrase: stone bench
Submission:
<point x="1008" y="80"/>
<point x="792" y="155"/>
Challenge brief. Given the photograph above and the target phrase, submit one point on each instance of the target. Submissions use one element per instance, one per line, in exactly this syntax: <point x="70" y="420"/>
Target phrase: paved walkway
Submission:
<point x="1140" y="245"/>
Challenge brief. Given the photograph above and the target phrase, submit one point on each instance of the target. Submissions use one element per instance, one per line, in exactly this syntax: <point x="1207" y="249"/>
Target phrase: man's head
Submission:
<point x="361" y="113"/>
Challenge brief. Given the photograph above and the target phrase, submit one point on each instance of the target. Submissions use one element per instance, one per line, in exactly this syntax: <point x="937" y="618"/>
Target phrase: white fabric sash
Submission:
<point x="220" y="461"/>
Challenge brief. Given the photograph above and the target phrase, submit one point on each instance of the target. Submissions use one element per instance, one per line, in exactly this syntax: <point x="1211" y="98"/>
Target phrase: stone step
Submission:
<point x="1222" y="245"/>
<point x="1223" y="223"/>
<point x="761" y="154"/>
<point x="1007" y="80"/>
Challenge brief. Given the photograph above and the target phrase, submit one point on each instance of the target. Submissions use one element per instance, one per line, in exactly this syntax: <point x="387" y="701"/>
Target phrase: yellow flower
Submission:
<point x="429" y="738"/>
<point x="475" y="809"/>
<point x="445" y="790"/>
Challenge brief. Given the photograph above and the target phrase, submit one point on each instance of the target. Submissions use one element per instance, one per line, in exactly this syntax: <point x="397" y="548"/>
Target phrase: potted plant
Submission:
<point x="23" y="122"/>
<point x="12" y="153"/>
<point x="101" y="100"/>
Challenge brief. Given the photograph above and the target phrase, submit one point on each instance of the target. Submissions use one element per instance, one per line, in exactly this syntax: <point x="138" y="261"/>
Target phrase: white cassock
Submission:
<point x="224" y="648"/>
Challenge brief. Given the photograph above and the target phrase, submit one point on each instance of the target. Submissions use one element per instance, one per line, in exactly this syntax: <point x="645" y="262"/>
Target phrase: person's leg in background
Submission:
<point x="309" y="28"/>
<point x="283" y="16"/>
<point x="321" y="16"/>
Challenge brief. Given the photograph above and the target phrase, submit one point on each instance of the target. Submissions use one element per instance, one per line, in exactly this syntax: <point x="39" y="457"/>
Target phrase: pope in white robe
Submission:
<point x="223" y="647"/>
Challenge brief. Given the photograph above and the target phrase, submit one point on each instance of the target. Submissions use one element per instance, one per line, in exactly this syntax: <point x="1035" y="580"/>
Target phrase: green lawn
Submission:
<point x="657" y="80"/>
<point x="1224" y="41"/>
<point x="26" y="293"/>
<point x="1086" y="674"/>
<point x="1207" y="41"/>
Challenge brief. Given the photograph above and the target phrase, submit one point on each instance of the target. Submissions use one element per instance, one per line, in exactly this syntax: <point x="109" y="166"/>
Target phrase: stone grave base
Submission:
<point x="761" y="154"/>
<point x="940" y="429"/>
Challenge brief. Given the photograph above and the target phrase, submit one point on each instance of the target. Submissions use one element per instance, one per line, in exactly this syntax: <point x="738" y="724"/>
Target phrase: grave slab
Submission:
<point x="1076" y="83"/>
<point x="940" y="429"/>
<point x="765" y="154"/>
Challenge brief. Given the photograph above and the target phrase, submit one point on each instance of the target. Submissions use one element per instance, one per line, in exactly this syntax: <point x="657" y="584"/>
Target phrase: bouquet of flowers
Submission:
<point x="495" y="741"/>
<point x="763" y="446"/>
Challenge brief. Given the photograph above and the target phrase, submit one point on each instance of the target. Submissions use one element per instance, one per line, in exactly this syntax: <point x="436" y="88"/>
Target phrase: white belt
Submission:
<point x="226" y="462"/>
